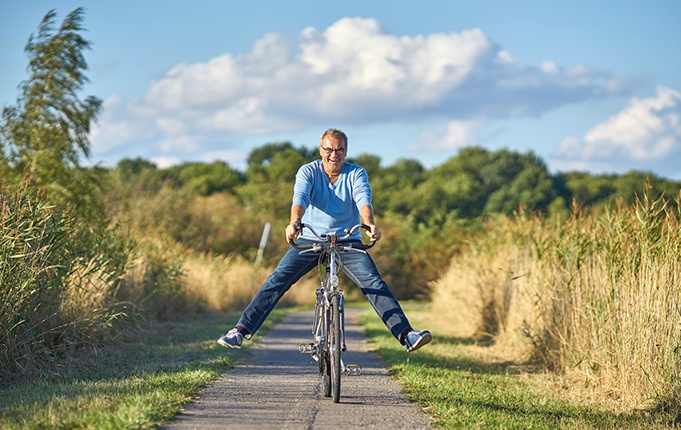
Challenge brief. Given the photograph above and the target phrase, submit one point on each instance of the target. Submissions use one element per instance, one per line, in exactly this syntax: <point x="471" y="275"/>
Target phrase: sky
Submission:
<point x="586" y="86"/>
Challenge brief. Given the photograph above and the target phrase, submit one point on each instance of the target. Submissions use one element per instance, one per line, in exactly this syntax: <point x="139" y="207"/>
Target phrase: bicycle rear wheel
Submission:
<point x="335" y="352"/>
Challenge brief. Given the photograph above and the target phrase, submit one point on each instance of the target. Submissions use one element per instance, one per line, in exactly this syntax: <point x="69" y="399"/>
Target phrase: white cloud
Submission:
<point x="182" y="143"/>
<point x="450" y="137"/>
<point x="646" y="129"/>
<point x="122" y="124"/>
<point x="163" y="162"/>
<point x="352" y="72"/>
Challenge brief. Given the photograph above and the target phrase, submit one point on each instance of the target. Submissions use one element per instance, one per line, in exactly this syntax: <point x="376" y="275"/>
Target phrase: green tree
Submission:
<point x="393" y="187"/>
<point x="585" y="189"/>
<point x="370" y="163"/>
<point x="632" y="185"/>
<point x="269" y="181"/>
<point x="263" y="155"/>
<point x="44" y="135"/>
<point x="206" y="179"/>
<point x="532" y="188"/>
<point x="453" y="187"/>
<point x="478" y="182"/>
<point x="134" y="166"/>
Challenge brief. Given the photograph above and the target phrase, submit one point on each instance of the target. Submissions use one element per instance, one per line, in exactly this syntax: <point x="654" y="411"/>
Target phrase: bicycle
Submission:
<point x="328" y="325"/>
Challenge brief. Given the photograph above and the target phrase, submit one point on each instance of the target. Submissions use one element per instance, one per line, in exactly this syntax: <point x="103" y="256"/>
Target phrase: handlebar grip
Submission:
<point x="299" y="226"/>
<point x="364" y="246"/>
<point x="301" y="245"/>
<point x="368" y="245"/>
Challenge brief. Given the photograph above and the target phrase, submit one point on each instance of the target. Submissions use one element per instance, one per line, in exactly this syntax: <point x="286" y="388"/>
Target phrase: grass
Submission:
<point x="143" y="384"/>
<point x="464" y="385"/>
<point x="139" y="384"/>
<point x="57" y="280"/>
<point x="594" y="298"/>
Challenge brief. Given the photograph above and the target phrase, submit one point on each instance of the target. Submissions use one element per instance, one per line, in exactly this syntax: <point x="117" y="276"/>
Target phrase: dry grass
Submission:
<point x="597" y="299"/>
<point x="229" y="283"/>
<point x="56" y="282"/>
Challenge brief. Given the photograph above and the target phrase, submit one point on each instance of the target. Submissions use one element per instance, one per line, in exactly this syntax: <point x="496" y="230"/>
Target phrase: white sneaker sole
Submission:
<point x="422" y="341"/>
<point x="228" y="345"/>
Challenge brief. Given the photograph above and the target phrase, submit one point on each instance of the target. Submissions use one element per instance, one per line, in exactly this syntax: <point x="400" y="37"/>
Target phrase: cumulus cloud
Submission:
<point x="352" y="72"/>
<point x="451" y="136"/>
<point x="646" y="129"/>
<point x="119" y="125"/>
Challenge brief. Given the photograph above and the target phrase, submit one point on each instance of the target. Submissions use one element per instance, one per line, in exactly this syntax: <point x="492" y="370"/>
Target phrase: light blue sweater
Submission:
<point x="331" y="208"/>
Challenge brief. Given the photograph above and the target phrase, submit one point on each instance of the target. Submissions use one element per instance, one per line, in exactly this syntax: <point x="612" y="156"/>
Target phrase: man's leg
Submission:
<point x="290" y="269"/>
<point x="360" y="268"/>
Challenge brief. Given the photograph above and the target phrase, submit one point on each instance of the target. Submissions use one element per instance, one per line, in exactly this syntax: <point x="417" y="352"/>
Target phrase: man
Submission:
<point x="329" y="195"/>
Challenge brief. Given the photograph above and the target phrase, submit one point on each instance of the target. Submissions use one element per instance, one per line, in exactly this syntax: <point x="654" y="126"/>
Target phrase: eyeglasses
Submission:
<point x="329" y="151"/>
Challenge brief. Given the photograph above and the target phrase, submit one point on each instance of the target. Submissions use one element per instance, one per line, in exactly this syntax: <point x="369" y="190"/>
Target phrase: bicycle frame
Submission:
<point x="323" y="301"/>
<point x="328" y="327"/>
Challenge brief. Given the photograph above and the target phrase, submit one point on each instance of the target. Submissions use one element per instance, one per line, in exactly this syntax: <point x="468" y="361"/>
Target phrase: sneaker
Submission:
<point x="415" y="339"/>
<point x="232" y="339"/>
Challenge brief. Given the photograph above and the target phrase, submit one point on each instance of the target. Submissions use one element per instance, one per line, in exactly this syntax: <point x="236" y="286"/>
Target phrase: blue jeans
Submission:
<point x="359" y="267"/>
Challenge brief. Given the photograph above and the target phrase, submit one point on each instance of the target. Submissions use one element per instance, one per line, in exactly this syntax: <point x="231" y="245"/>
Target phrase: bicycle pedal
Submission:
<point x="307" y="348"/>
<point x="353" y="369"/>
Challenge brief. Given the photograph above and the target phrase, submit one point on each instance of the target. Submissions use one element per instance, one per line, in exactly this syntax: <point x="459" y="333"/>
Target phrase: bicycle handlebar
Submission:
<point x="332" y="238"/>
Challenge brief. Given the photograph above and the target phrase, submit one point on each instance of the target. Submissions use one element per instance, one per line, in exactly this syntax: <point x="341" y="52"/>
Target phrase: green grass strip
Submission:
<point x="139" y="384"/>
<point x="459" y="391"/>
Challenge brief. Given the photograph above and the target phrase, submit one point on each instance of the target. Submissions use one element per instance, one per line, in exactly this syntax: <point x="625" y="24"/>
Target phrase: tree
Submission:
<point x="263" y="155"/>
<point x="532" y="188"/>
<point x="269" y="181"/>
<point x="370" y="163"/>
<point x="45" y="134"/>
<point x="205" y="179"/>
<point x="393" y="187"/>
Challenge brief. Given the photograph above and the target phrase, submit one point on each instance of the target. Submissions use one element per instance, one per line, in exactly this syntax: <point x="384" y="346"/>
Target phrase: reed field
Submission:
<point x="57" y="284"/>
<point x="66" y="284"/>
<point x="595" y="298"/>
<point x="229" y="283"/>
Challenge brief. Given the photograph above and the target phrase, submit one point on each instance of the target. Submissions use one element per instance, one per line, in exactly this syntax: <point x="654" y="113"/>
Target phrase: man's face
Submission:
<point x="332" y="151"/>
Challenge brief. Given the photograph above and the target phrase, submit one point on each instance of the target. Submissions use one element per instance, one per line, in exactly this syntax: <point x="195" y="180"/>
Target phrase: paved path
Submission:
<point x="275" y="386"/>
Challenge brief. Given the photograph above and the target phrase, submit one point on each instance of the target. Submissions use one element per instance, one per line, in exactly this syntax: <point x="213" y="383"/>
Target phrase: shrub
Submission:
<point x="56" y="281"/>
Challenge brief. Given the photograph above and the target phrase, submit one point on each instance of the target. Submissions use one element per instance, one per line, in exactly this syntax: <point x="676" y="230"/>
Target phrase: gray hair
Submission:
<point x="335" y="133"/>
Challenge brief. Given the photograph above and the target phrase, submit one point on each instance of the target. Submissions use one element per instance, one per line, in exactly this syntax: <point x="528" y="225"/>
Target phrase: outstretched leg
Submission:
<point x="290" y="269"/>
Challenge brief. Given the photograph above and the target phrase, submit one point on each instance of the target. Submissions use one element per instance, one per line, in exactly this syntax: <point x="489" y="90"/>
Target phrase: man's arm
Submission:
<point x="297" y="212"/>
<point x="367" y="214"/>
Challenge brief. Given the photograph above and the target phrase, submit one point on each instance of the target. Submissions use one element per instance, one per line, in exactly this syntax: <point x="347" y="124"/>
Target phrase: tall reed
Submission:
<point x="56" y="279"/>
<point x="230" y="282"/>
<point x="596" y="297"/>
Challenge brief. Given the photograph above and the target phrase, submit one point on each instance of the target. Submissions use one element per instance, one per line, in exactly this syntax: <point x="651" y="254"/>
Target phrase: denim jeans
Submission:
<point x="359" y="267"/>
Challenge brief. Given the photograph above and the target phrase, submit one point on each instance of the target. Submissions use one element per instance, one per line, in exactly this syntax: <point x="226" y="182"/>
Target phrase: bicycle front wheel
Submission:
<point x="321" y="331"/>
<point x="335" y="353"/>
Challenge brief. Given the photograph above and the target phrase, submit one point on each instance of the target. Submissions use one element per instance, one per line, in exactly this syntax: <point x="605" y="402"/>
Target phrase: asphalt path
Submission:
<point x="274" y="386"/>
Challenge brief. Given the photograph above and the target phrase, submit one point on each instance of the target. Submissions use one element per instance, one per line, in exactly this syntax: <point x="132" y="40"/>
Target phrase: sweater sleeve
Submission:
<point x="361" y="190"/>
<point x="303" y="187"/>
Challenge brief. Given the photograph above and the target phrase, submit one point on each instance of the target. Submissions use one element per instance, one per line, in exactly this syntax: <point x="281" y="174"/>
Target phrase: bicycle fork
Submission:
<point x="349" y="369"/>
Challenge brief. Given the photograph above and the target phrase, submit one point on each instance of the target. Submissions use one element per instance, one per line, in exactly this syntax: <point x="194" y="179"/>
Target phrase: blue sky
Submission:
<point x="590" y="86"/>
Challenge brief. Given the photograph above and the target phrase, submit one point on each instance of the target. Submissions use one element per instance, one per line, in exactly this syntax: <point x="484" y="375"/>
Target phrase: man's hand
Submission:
<point x="367" y="214"/>
<point x="291" y="232"/>
<point x="374" y="232"/>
